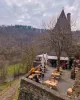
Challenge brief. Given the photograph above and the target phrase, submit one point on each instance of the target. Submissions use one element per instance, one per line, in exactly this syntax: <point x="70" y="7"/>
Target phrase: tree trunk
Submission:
<point x="58" y="64"/>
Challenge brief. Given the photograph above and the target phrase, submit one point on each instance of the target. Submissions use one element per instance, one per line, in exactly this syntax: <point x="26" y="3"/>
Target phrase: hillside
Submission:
<point x="13" y="38"/>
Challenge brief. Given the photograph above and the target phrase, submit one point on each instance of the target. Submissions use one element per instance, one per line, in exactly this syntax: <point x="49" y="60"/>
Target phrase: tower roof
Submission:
<point x="62" y="21"/>
<point x="62" y="15"/>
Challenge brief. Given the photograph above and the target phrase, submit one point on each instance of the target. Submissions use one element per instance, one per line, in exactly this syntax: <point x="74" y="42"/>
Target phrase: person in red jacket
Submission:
<point x="63" y="65"/>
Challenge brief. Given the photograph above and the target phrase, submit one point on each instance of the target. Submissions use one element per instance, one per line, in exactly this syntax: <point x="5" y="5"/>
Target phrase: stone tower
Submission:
<point x="62" y="32"/>
<point x="64" y="22"/>
<point x="69" y="18"/>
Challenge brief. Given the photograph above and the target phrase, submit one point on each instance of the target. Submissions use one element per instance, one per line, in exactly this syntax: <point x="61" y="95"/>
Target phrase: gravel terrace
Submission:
<point x="64" y="83"/>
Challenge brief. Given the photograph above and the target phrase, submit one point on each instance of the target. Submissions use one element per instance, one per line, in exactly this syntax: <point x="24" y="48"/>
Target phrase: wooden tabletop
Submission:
<point x="31" y="76"/>
<point x="37" y="72"/>
<point x="51" y="83"/>
<point x="69" y="90"/>
<point x="55" y="74"/>
<point x="76" y="69"/>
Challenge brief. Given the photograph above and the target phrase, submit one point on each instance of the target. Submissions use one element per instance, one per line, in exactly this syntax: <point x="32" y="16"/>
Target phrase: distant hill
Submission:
<point x="13" y="38"/>
<point x="19" y="30"/>
<point x="11" y="35"/>
<point x="22" y="33"/>
<point x="28" y="31"/>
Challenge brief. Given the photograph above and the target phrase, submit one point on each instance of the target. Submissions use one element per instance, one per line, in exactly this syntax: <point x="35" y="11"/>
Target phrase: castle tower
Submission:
<point x="69" y="18"/>
<point x="64" y="22"/>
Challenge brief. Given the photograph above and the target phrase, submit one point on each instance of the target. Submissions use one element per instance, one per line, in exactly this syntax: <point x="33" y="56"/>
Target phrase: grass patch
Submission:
<point x="3" y="86"/>
<point x="13" y="69"/>
<point x="17" y="68"/>
<point x="16" y="94"/>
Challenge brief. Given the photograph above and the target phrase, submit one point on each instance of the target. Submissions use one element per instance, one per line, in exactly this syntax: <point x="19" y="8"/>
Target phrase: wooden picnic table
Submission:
<point x="59" y="71"/>
<point x="55" y="74"/>
<point x="52" y="84"/>
<point x="69" y="91"/>
<point x="37" y="72"/>
<point x="31" y="76"/>
<point x="76" y="70"/>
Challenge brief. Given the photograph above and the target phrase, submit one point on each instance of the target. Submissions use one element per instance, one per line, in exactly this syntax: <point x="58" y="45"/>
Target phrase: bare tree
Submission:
<point x="3" y="71"/>
<point x="59" y="37"/>
<point x="28" y="55"/>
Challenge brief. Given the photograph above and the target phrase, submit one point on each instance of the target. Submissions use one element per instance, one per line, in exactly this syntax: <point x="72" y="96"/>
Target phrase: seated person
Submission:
<point x="36" y="79"/>
<point x="32" y="70"/>
<point x="40" y="69"/>
<point x="42" y="74"/>
<point x="64" y="65"/>
<point x="73" y="74"/>
<point x="76" y="69"/>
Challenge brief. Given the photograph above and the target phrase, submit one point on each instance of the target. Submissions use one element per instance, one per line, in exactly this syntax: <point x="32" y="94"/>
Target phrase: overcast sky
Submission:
<point x="33" y="12"/>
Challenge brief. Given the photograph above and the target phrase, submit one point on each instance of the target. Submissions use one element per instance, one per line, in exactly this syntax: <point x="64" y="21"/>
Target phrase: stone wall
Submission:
<point x="30" y="90"/>
<point x="76" y="87"/>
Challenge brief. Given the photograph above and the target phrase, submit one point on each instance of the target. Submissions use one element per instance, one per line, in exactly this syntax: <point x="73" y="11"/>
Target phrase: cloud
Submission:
<point x="33" y="12"/>
<point x="75" y="13"/>
<point x="21" y="2"/>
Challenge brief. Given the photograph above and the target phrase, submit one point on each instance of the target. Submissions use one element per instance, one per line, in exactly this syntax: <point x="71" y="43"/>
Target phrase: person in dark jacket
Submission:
<point x="36" y="78"/>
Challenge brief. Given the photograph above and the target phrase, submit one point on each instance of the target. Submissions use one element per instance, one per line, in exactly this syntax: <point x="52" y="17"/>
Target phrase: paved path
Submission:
<point x="65" y="82"/>
<point x="48" y="73"/>
<point x="8" y="93"/>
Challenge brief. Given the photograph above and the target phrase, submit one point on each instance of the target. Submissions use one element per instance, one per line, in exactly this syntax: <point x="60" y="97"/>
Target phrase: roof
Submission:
<point x="62" y="22"/>
<point x="62" y="15"/>
<point x="52" y="57"/>
<point x="53" y="53"/>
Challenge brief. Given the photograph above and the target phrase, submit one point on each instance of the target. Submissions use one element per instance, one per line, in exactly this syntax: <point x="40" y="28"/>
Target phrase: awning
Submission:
<point x="53" y="57"/>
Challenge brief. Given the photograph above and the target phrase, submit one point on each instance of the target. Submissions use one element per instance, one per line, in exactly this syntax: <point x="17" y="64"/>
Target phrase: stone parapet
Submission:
<point x="30" y="90"/>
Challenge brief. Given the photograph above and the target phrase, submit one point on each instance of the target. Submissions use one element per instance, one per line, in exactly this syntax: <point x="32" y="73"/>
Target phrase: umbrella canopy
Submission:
<point x="42" y="60"/>
<point x="46" y="57"/>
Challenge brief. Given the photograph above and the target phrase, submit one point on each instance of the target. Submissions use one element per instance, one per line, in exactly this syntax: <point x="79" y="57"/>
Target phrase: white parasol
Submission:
<point x="42" y="60"/>
<point x="46" y="58"/>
